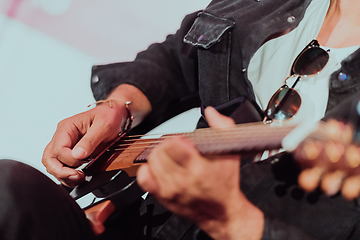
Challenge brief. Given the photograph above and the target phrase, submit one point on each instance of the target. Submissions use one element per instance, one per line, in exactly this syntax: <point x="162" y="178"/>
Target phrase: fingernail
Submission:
<point x="78" y="153"/>
<point x="333" y="189"/>
<point x="73" y="177"/>
<point x="331" y="192"/>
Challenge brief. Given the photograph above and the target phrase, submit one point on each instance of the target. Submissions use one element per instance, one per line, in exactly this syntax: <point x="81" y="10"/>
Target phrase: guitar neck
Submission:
<point x="242" y="138"/>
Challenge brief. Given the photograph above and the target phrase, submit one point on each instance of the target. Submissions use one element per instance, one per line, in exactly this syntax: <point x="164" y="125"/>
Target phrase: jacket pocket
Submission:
<point x="207" y="30"/>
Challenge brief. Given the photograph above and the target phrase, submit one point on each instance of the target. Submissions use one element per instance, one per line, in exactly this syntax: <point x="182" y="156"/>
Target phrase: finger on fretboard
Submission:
<point x="330" y="148"/>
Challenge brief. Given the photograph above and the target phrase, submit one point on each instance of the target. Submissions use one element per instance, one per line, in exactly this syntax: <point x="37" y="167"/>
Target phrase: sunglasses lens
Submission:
<point x="284" y="104"/>
<point x="310" y="62"/>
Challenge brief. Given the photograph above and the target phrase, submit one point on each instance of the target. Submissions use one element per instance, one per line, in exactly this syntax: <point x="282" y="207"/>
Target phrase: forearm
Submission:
<point x="165" y="72"/>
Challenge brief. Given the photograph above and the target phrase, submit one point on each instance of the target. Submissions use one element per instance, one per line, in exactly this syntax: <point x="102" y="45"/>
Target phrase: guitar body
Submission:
<point x="113" y="170"/>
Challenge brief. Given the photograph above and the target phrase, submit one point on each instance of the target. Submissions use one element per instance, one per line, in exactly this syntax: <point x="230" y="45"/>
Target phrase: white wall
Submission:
<point x="47" y="48"/>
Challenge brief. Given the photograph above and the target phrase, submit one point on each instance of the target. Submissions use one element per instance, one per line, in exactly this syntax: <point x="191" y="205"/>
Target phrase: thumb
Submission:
<point x="79" y="153"/>
<point x="215" y="119"/>
<point x="88" y="143"/>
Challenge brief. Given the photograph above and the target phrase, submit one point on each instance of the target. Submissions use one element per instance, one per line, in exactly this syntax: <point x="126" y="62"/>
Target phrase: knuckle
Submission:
<point x="44" y="161"/>
<point x="170" y="196"/>
<point x="49" y="171"/>
<point x="62" y="123"/>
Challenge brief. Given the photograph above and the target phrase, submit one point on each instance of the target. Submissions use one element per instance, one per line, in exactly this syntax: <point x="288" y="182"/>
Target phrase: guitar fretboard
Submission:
<point x="253" y="137"/>
<point x="242" y="138"/>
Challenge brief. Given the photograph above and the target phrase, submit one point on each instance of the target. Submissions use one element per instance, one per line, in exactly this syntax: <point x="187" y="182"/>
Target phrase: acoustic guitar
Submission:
<point x="113" y="169"/>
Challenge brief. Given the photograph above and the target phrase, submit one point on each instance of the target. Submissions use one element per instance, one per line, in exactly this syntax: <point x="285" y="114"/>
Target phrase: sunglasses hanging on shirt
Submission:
<point x="286" y="101"/>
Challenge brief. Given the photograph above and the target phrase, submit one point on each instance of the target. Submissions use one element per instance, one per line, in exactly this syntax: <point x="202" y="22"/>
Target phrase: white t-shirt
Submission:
<point x="271" y="64"/>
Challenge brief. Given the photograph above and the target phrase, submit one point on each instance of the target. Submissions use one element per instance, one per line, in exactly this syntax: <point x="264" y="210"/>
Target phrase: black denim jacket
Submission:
<point x="207" y="59"/>
<point x="212" y="58"/>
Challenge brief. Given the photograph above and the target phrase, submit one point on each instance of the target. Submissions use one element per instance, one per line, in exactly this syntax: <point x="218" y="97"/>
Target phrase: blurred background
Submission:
<point x="47" y="49"/>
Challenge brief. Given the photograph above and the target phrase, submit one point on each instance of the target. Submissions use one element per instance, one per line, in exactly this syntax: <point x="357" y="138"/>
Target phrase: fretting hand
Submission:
<point x="205" y="190"/>
<point x="333" y="164"/>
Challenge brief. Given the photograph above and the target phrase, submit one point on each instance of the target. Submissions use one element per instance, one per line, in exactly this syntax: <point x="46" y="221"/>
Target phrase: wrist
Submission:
<point x="114" y="103"/>
<point x="140" y="106"/>
<point x="242" y="220"/>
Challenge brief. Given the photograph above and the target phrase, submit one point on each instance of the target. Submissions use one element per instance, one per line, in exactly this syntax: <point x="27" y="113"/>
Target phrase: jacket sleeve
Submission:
<point x="275" y="229"/>
<point x="166" y="73"/>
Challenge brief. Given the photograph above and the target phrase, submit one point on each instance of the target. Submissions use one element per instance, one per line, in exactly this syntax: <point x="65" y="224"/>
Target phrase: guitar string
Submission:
<point x="222" y="132"/>
<point x="136" y="146"/>
<point x="236" y="127"/>
<point x="234" y="130"/>
<point x="209" y="136"/>
<point x="213" y="133"/>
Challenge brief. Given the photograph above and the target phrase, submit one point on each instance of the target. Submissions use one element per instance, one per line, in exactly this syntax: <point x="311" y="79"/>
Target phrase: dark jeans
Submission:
<point x="33" y="207"/>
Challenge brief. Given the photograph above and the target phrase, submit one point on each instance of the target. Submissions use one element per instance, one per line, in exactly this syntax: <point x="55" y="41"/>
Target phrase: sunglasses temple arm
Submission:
<point x="297" y="80"/>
